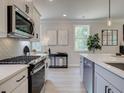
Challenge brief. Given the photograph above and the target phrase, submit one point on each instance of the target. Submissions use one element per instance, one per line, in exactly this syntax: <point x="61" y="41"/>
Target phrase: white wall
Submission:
<point x="95" y="27"/>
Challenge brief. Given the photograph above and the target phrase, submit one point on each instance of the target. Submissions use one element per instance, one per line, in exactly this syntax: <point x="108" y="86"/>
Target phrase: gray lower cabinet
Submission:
<point x="114" y="90"/>
<point x="100" y="84"/>
<point x="103" y="86"/>
<point x="107" y="82"/>
<point x="97" y="79"/>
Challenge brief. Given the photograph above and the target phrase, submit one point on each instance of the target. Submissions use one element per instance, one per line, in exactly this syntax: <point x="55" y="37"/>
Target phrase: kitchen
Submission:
<point x="43" y="44"/>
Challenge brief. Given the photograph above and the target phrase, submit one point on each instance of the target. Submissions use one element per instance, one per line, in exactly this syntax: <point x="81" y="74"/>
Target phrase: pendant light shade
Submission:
<point x="109" y="23"/>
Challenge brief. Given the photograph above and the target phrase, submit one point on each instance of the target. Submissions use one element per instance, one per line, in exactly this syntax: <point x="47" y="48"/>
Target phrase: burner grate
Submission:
<point x="19" y="60"/>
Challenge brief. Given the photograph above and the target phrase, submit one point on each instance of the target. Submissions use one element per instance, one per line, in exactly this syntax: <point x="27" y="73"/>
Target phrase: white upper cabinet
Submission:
<point x="37" y="25"/>
<point x="29" y="8"/>
<point x="24" y="5"/>
<point x="20" y="4"/>
<point x="3" y="18"/>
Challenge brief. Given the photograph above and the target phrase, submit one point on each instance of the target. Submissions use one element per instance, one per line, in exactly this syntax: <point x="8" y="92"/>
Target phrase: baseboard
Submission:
<point x="74" y="65"/>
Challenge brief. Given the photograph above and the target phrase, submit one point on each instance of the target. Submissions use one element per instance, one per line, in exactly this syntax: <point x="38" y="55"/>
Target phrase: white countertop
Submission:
<point x="8" y="71"/>
<point x="102" y="59"/>
<point x="39" y="54"/>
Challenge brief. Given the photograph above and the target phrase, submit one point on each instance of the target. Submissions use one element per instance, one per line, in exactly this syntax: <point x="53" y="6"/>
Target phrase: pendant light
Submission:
<point x="109" y="23"/>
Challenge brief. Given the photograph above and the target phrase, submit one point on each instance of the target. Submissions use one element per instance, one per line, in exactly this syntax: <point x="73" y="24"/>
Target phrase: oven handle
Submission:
<point x="38" y="69"/>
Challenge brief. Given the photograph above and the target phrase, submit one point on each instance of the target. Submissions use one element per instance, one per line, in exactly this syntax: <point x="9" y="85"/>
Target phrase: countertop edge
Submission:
<point x="112" y="69"/>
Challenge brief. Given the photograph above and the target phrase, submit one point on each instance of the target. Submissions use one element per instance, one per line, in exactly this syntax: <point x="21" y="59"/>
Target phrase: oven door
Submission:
<point x="38" y="79"/>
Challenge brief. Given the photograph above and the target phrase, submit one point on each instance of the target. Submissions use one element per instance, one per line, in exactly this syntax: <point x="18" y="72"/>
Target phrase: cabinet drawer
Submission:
<point x="112" y="78"/>
<point x="14" y="82"/>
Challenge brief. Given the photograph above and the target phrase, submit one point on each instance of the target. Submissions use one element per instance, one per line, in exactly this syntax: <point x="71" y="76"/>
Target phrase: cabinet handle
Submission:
<point x="109" y="90"/>
<point x="20" y="79"/>
<point x="26" y="8"/>
<point x="36" y="35"/>
<point x="106" y="89"/>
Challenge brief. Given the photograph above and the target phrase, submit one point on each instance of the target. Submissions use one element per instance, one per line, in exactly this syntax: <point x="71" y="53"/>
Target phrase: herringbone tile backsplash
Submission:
<point x="10" y="47"/>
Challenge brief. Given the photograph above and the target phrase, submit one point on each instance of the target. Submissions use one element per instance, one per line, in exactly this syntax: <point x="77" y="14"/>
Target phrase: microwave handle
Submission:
<point x="36" y="35"/>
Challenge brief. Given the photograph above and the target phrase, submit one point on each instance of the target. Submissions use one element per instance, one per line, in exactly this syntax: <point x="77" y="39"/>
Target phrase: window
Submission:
<point x="81" y="34"/>
<point x="110" y="37"/>
<point x="37" y="46"/>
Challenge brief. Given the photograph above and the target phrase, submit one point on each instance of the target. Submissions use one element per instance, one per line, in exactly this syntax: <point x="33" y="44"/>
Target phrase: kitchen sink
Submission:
<point x="117" y="65"/>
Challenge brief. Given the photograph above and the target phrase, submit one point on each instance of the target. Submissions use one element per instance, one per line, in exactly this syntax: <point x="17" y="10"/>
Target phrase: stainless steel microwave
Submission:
<point x="19" y="24"/>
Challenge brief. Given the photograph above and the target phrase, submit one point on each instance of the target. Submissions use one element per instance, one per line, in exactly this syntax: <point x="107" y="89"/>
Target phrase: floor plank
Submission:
<point x="64" y="81"/>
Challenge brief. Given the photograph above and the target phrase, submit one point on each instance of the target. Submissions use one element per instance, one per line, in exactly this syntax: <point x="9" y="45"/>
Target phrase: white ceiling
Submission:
<point x="75" y="9"/>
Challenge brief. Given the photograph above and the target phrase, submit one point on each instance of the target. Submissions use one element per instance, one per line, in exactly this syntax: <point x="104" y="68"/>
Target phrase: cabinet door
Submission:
<point x="22" y="88"/>
<point x="36" y="18"/>
<point x="113" y="89"/>
<point x="101" y="85"/>
<point x="29" y="8"/>
<point x="3" y="18"/>
<point x="20" y="4"/>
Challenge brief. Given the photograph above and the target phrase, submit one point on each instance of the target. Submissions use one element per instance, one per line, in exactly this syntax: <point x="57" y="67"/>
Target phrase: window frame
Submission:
<point x="107" y="37"/>
<point x="80" y="50"/>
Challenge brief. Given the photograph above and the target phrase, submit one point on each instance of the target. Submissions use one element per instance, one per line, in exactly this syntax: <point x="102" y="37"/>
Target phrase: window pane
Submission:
<point x="81" y="32"/>
<point x="111" y="38"/>
<point x="80" y="45"/>
<point x="81" y="35"/>
<point x="36" y="46"/>
<point x="114" y="42"/>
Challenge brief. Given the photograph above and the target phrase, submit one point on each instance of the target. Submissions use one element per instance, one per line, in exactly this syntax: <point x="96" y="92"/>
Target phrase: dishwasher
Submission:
<point x="88" y="75"/>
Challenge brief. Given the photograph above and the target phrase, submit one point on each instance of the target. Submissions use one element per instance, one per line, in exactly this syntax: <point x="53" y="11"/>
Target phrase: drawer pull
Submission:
<point x="106" y="89"/>
<point x="20" y="79"/>
<point x="109" y="90"/>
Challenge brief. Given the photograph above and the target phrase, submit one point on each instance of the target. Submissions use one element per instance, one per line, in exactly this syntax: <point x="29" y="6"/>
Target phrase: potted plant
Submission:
<point x="93" y="42"/>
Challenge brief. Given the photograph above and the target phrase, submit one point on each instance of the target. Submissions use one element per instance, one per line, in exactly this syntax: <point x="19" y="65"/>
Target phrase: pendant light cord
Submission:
<point x="109" y="9"/>
<point x="109" y="17"/>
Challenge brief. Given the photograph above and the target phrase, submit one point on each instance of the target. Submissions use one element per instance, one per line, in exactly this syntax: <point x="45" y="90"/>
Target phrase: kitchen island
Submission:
<point x="105" y="78"/>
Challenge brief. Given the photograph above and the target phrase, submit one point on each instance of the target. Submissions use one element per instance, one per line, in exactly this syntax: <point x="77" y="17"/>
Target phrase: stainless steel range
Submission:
<point x="36" y="70"/>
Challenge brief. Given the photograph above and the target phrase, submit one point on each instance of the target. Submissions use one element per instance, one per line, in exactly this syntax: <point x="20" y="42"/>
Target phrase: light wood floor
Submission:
<point x="64" y="81"/>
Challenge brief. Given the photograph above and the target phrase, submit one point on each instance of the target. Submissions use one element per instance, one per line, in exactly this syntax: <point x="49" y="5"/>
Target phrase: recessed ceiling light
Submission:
<point x="51" y="0"/>
<point x="64" y="15"/>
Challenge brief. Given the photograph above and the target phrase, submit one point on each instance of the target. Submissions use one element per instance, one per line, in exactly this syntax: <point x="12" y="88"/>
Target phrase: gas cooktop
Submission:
<point x="19" y="60"/>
